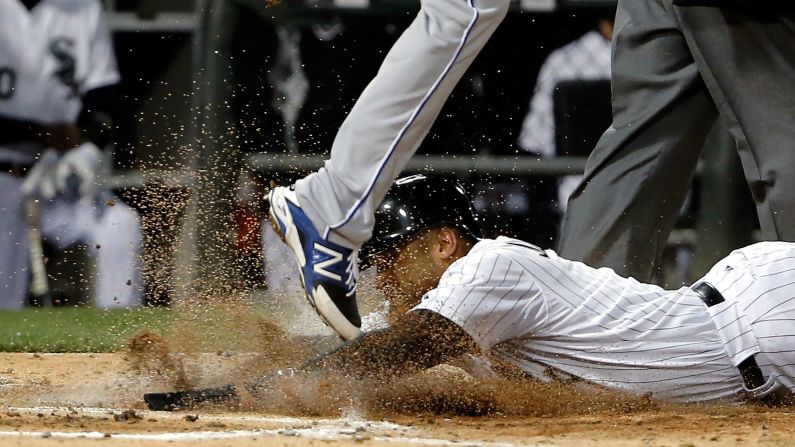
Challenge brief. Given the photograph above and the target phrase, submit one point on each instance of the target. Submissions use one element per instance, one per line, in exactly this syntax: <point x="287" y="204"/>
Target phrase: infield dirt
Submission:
<point x="49" y="397"/>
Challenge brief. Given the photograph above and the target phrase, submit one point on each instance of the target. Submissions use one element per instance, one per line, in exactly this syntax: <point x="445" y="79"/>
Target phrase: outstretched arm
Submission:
<point x="418" y="340"/>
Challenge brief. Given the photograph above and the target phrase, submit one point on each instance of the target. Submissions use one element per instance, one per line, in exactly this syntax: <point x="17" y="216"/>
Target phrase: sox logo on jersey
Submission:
<point x="62" y="48"/>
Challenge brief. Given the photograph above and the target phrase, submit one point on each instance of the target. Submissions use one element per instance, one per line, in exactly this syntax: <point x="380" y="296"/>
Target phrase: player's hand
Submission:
<point x="76" y="174"/>
<point x="40" y="181"/>
<point x="60" y="136"/>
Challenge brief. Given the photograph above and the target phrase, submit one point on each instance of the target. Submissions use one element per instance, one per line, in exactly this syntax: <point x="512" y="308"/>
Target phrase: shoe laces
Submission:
<point x="352" y="273"/>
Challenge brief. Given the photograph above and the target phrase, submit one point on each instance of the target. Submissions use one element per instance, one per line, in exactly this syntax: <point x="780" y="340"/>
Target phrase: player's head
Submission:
<point x="414" y="204"/>
<point x="424" y="224"/>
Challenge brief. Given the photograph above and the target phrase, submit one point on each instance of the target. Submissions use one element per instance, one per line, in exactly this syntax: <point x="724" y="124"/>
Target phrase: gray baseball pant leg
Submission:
<point x="394" y="113"/>
<point x="747" y="60"/>
<point x="746" y="67"/>
<point x="638" y="175"/>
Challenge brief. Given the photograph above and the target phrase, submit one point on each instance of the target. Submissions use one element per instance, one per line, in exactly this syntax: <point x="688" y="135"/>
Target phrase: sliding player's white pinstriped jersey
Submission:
<point x="553" y="317"/>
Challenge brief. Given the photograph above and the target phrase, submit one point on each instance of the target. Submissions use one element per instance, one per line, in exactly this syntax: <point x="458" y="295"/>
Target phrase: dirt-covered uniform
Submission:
<point x="553" y="317"/>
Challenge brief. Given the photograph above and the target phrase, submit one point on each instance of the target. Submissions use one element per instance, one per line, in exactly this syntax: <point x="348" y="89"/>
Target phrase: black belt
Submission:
<point x="16" y="169"/>
<point x="749" y="370"/>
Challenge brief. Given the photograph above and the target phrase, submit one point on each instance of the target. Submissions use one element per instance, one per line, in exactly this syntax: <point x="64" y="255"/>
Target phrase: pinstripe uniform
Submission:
<point x="553" y="317"/>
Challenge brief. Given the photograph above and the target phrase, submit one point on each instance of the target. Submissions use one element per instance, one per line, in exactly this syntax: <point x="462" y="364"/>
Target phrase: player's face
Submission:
<point x="406" y="273"/>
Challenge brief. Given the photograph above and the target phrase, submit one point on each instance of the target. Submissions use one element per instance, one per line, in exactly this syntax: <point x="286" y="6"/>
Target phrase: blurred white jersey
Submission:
<point x="586" y="58"/>
<point x="50" y="55"/>
<point x="553" y="317"/>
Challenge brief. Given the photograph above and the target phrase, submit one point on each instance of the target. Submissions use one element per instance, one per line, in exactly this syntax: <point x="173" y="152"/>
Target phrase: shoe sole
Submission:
<point x="321" y="301"/>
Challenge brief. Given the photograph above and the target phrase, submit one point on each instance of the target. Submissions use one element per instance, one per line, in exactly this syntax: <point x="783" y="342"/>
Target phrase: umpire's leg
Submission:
<point x="640" y="171"/>
<point x="747" y="60"/>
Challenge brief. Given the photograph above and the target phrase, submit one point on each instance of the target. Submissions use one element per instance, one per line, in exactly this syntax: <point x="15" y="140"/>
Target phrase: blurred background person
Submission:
<point x="584" y="59"/>
<point x="57" y="72"/>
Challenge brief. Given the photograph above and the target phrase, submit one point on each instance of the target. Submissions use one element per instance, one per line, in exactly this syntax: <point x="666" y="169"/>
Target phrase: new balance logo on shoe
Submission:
<point x="321" y="267"/>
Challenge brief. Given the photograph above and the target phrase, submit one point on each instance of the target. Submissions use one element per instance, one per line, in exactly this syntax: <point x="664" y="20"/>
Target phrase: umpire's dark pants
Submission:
<point x="674" y="70"/>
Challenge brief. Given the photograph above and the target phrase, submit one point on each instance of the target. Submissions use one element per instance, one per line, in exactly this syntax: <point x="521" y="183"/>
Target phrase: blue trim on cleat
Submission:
<point x="330" y="276"/>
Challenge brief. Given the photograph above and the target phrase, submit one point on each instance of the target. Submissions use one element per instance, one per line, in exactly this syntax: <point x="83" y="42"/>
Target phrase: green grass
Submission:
<point x="66" y="329"/>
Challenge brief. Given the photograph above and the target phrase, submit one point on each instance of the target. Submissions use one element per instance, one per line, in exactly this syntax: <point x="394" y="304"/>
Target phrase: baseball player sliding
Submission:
<point x="326" y="217"/>
<point x="451" y="292"/>
<point x="57" y="69"/>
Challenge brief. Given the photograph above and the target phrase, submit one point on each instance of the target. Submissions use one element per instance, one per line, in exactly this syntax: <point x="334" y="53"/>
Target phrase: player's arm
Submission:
<point x="538" y="125"/>
<point x="417" y="340"/>
<point x="98" y="117"/>
<point x="101" y="104"/>
<point x="95" y="123"/>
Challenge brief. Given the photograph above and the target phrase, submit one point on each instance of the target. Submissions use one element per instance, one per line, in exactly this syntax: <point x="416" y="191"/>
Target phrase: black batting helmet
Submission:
<point x="415" y="203"/>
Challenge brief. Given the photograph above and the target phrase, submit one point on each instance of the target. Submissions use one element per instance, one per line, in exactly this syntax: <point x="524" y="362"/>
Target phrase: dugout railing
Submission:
<point x="445" y="164"/>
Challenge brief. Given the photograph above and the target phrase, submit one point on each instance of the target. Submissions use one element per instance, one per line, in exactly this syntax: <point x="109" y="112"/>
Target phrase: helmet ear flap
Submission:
<point x="415" y="203"/>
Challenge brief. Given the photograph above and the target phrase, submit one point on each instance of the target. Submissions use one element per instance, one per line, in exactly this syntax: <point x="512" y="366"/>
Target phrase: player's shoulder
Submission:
<point x="494" y="263"/>
<point x="483" y="255"/>
<point x="504" y="243"/>
<point x="766" y="248"/>
<point x="502" y="250"/>
<point x="488" y="247"/>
